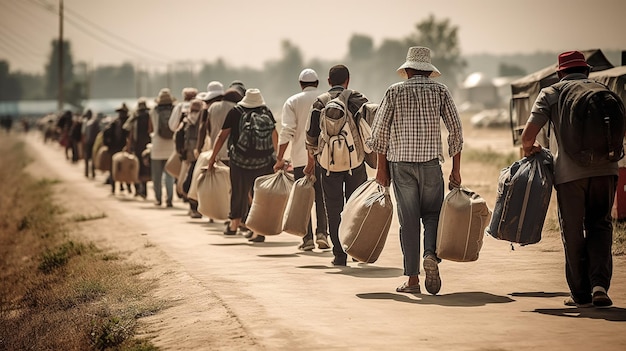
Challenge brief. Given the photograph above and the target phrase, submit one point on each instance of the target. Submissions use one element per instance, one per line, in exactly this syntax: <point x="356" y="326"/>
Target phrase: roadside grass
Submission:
<point x="490" y="157"/>
<point x="57" y="292"/>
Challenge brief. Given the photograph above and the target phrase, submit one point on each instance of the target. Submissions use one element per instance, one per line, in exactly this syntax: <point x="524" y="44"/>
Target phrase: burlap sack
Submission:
<point x="299" y="205"/>
<point x="462" y="222"/>
<point x="103" y="159"/>
<point x="271" y="193"/>
<point x="173" y="165"/>
<point x="365" y="221"/>
<point x="214" y="191"/>
<point x="203" y="161"/>
<point x="125" y="167"/>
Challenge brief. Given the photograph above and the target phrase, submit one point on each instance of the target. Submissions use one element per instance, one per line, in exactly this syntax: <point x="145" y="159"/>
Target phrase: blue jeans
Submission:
<point x="418" y="187"/>
<point x="157" y="168"/>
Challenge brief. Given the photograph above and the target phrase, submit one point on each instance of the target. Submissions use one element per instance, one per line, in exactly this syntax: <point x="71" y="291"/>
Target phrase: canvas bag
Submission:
<point x="271" y="193"/>
<point x="125" y="167"/>
<point x="103" y="160"/>
<point x="214" y="190"/>
<point x="340" y="147"/>
<point x="365" y="221"/>
<point x="592" y="122"/>
<point x="462" y="222"/>
<point x="173" y="165"/>
<point x="202" y="161"/>
<point x="298" y="210"/>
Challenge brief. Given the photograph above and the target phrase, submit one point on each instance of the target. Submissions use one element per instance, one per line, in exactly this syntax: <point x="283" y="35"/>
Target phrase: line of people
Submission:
<point x="237" y="125"/>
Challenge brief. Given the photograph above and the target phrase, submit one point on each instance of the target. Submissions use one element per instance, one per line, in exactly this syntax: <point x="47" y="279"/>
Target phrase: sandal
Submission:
<point x="409" y="289"/>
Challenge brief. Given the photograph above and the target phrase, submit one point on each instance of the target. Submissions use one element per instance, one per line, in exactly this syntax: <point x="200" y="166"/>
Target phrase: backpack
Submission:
<point x="255" y="133"/>
<point x="163" y="113"/>
<point x="592" y="122"/>
<point x="365" y="116"/>
<point x="340" y="147"/>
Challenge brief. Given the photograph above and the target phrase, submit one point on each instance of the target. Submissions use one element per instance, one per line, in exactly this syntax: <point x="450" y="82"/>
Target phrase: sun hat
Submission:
<point x="164" y="97"/>
<point x="418" y="58"/>
<point x="195" y="105"/>
<point x="141" y="104"/>
<point x="308" y="76"/>
<point x="213" y="90"/>
<point x="571" y="59"/>
<point x="252" y="99"/>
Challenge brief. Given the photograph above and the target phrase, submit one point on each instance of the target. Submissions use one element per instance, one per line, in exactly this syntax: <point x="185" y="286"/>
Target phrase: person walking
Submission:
<point x="293" y="120"/>
<point x="182" y="109"/>
<point x="246" y="165"/>
<point x="137" y="128"/>
<point x="585" y="194"/>
<point x="114" y="137"/>
<point x="189" y="127"/>
<point x="91" y="129"/>
<point x="406" y="135"/>
<point x="162" y="146"/>
<point x="336" y="186"/>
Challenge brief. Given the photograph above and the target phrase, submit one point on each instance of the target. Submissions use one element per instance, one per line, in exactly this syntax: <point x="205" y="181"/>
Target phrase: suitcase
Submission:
<point x="214" y="191"/>
<point x="522" y="200"/>
<point x="462" y="222"/>
<point x="365" y="221"/>
<point x="298" y="211"/>
<point x="125" y="167"/>
<point x="271" y="193"/>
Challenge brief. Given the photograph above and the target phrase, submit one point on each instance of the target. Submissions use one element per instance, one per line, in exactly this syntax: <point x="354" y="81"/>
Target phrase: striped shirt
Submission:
<point x="407" y="124"/>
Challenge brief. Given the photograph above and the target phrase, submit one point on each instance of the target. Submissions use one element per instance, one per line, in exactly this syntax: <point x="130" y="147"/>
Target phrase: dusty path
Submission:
<point x="230" y="294"/>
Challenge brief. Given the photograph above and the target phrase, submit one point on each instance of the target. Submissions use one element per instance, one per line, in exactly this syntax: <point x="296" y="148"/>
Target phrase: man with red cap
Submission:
<point x="585" y="194"/>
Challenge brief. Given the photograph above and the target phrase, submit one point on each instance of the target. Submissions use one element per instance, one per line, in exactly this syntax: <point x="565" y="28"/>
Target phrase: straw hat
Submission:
<point x="252" y="99"/>
<point x="418" y="58"/>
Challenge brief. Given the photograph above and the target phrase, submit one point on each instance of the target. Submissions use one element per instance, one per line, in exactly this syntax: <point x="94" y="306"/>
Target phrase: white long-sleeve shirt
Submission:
<point x="174" y="120"/>
<point x="293" y="120"/>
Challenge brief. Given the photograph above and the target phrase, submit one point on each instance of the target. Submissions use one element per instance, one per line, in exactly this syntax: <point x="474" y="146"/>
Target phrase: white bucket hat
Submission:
<point x="252" y="99"/>
<point x="418" y="58"/>
<point x="213" y="90"/>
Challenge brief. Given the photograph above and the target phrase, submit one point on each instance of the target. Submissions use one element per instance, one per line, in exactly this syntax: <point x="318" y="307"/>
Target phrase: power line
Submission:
<point x="100" y="39"/>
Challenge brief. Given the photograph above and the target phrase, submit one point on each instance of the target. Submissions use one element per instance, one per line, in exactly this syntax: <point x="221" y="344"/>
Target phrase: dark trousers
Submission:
<point x="587" y="233"/>
<point x="242" y="182"/>
<point x="193" y="204"/>
<point x="320" y="211"/>
<point x="89" y="165"/>
<point x="337" y="188"/>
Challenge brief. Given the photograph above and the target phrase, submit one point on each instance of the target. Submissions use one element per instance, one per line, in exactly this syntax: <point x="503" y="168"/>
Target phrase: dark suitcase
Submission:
<point x="524" y="191"/>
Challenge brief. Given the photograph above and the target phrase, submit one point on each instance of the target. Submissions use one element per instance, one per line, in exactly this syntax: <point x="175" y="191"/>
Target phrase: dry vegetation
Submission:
<point x="57" y="293"/>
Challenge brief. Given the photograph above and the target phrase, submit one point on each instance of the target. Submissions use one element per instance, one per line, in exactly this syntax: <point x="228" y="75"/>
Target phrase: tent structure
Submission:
<point x="525" y="90"/>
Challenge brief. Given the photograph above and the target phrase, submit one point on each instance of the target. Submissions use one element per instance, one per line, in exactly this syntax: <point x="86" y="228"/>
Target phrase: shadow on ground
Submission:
<point x="612" y="314"/>
<point x="360" y="271"/>
<point x="459" y="299"/>
<point x="539" y="294"/>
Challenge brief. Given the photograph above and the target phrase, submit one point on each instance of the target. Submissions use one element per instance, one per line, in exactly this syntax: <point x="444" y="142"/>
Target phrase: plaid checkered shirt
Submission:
<point x="407" y="124"/>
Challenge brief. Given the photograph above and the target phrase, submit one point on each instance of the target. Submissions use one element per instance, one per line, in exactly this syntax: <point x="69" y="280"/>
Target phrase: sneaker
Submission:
<point x="433" y="281"/>
<point x="157" y="203"/>
<point x="322" y="241"/>
<point x="307" y="245"/>
<point x="572" y="303"/>
<point x="248" y="234"/>
<point x="195" y="214"/>
<point x="257" y="239"/>
<point x="169" y="204"/>
<point x="601" y="299"/>
<point x="227" y="231"/>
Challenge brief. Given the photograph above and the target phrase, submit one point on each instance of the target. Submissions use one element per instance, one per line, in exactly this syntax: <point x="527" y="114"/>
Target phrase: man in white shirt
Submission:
<point x="294" y="117"/>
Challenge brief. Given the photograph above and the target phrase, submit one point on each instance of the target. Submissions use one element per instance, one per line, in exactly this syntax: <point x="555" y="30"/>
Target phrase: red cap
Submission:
<point x="571" y="59"/>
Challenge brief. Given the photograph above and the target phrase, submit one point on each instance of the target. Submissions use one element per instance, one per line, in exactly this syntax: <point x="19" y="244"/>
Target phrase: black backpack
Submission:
<point x="254" y="145"/>
<point x="163" y="113"/>
<point x="592" y="122"/>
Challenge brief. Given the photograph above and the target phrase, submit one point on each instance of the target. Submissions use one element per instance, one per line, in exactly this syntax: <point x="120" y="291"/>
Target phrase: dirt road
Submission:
<point x="230" y="294"/>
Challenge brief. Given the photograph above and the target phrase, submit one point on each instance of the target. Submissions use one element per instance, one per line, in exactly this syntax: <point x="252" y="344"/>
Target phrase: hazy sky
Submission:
<point x="151" y="33"/>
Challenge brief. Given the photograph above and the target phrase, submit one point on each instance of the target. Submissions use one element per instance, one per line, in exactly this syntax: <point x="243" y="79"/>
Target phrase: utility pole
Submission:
<point x="60" y="96"/>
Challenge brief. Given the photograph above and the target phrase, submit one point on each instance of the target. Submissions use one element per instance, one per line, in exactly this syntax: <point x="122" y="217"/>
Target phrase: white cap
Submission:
<point x="308" y="75"/>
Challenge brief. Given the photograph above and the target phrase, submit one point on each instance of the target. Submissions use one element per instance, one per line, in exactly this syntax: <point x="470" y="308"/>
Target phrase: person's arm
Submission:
<point x="383" y="177"/>
<point x="529" y="139"/>
<point x="280" y="162"/>
<point x="221" y="139"/>
<point x="202" y="132"/>
<point x="455" y="173"/>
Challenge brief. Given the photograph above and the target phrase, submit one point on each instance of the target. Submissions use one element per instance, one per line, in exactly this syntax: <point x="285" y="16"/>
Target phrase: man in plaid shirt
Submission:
<point x="406" y="134"/>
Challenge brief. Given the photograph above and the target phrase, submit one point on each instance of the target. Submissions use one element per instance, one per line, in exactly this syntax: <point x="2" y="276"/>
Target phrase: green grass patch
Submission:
<point x="489" y="157"/>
